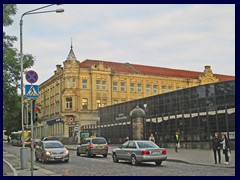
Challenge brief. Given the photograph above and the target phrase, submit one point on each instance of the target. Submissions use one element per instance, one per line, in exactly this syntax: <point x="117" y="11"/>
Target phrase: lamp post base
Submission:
<point x="23" y="157"/>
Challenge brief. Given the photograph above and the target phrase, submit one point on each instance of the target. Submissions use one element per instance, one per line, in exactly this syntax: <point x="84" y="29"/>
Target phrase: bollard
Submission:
<point x="23" y="157"/>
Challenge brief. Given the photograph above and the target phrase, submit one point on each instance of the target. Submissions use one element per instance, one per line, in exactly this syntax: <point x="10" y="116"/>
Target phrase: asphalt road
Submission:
<point x="99" y="166"/>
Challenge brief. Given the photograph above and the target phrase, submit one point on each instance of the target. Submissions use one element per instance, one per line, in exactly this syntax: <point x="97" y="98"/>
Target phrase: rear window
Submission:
<point x="99" y="141"/>
<point x="147" y="144"/>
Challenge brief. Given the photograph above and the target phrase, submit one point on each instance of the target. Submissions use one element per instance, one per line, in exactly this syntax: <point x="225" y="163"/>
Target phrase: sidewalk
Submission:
<point x="190" y="156"/>
<point x="15" y="170"/>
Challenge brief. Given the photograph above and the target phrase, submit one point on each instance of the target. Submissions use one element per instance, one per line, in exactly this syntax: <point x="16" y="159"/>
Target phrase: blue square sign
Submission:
<point x="31" y="91"/>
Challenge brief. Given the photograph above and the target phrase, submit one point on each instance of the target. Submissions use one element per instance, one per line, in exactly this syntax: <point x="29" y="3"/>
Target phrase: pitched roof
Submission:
<point x="71" y="55"/>
<point x="149" y="70"/>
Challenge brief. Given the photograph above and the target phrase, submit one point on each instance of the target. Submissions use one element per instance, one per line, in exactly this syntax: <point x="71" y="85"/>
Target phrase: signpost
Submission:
<point x="32" y="92"/>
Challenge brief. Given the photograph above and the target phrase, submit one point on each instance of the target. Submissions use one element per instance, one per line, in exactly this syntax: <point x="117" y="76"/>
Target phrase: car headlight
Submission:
<point x="66" y="152"/>
<point x="48" y="153"/>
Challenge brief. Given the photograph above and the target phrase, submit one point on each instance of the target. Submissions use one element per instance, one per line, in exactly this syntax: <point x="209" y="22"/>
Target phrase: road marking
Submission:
<point x="11" y="167"/>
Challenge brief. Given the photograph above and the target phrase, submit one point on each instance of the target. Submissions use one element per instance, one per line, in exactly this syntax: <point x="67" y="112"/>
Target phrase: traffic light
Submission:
<point x="29" y="118"/>
<point x="35" y="118"/>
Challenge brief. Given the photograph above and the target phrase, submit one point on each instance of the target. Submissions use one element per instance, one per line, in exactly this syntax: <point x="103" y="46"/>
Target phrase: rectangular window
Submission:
<point x="104" y="102"/>
<point x="101" y="103"/>
<point x="84" y="104"/>
<point x="164" y="89"/>
<point x="84" y="84"/>
<point x="148" y="89"/>
<point x="69" y="83"/>
<point x="98" y="103"/>
<point x="98" y="86"/>
<point x="170" y="88"/>
<point x="139" y="88"/>
<point x="123" y="88"/>
<point x="104" y="85"/>
<point x="74" y="83"/>
<point x="68" y="103"/>
<point x="115" y="86"/>
<point x="155" y="89"/>
<point x="177" y="88"/>
<point x="132" y="87"/>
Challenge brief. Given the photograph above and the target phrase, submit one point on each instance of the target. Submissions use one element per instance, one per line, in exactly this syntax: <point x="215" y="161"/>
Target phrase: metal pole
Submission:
<point x="23" y="150"/>
<point x="32" y="119"/>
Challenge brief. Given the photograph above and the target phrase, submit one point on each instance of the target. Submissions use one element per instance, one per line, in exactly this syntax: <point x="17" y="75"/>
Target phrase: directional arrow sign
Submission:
<point x="31" y="91"/>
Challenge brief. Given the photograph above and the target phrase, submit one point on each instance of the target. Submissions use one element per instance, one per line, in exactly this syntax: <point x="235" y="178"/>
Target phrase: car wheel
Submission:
<point x="66" y="161"/>
<point x="115" y="159"/>
<point x="36" y="158"/>
<point x="158" y="163"/>
<point x="42" y="159"/>
<point x="105" y="155"/>
<point x="134" y="160"/>
<point x="87" y="153"/>
<point x="78" y="154"/>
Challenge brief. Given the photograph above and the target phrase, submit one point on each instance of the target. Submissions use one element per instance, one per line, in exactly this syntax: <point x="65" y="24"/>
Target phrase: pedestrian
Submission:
<point x="151" y="138"/>
<point x="226" y="148"/>
<point x="177" y="141"/>
<point x="126" y="139"/>
<point x="216" y="148"/>
<point x="76" y="139"/>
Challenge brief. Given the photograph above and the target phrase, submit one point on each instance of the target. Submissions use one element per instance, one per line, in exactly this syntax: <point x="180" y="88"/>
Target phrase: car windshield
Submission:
<point x="99" y="141"/>
<point x="146" y="144"/>
<point x="53" y="145"/>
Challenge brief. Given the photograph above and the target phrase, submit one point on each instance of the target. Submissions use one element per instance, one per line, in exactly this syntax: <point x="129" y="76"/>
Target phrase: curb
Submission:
<point x="181" y="161"/>
<point x="11" y="167"/>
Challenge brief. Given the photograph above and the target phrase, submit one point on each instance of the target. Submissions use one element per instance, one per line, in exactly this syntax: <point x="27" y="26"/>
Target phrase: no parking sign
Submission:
<point x="31" y="76"/>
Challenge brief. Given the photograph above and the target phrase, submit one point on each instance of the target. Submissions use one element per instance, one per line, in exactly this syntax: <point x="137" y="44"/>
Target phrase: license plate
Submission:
<point x="100" y="147"/>
<point x="156" y="152"/>
<point x="58" y="157"/>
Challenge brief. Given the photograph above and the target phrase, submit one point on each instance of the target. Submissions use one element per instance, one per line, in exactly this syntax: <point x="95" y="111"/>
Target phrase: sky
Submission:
<point x="176" y="36"/>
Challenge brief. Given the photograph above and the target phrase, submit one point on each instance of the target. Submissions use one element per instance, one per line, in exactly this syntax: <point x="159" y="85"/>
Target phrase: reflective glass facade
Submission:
<point x="197" y="112"/>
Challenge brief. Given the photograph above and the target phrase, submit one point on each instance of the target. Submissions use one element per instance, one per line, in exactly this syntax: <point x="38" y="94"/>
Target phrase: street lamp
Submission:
<point x="23" y="150"/>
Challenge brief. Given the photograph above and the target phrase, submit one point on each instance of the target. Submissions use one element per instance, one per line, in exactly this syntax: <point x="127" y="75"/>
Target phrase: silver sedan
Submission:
<point x="51" y="151"/>
<point x="138" y="151"/>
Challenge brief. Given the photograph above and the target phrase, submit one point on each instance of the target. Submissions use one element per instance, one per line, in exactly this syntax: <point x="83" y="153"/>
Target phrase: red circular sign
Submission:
<point x="31" y="76"/>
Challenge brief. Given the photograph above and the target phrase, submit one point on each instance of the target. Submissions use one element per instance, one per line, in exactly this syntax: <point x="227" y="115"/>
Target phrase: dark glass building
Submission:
<point x="196" y="112"/>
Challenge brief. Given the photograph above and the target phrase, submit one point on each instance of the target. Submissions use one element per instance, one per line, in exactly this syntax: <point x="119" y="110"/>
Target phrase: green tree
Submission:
<point x="12" y="74"/>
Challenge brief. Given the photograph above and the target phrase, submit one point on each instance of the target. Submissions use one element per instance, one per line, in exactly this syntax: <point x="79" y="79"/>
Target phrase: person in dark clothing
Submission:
<point x="216" y="148"/>
<point x="226" y="148"/>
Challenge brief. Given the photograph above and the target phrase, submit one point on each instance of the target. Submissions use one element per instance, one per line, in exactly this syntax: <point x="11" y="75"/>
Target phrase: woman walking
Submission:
<point x="226" y="148"/>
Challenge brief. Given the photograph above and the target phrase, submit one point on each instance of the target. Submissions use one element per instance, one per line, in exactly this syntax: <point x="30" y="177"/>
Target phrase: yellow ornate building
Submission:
<point x="71" y="97"/>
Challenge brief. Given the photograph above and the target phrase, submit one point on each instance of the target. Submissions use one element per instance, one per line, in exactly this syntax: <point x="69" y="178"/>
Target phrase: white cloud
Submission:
<point x="175" y="36"/>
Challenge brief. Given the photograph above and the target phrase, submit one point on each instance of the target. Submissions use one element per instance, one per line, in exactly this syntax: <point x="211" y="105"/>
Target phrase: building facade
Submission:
<point x="70" y="99"/>
<point x="196" y="112"/>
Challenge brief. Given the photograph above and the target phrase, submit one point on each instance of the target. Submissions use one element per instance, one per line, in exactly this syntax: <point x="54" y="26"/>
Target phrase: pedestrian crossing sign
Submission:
<point x="31" y="91"/>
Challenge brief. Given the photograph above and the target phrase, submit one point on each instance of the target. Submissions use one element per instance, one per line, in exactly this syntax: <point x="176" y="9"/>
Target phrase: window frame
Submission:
<point x="68" y="104"/>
